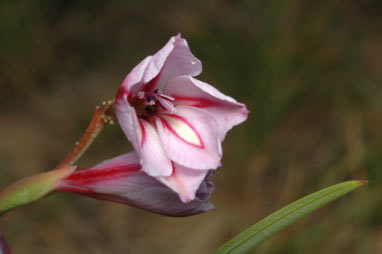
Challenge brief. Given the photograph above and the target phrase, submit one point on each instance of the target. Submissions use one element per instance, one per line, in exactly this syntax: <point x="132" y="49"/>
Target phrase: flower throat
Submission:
<point x="147" y="104"/>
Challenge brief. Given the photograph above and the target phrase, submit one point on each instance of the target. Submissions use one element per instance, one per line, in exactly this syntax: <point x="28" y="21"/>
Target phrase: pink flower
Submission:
<point x="121" y="180"/>
<point x="175" y="122"/>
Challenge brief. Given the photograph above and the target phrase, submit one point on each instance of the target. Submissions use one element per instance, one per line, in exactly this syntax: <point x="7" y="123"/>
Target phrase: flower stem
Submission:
<point x="102" y="116"/>
<point x="30" y="189"/>
<point x="33" y="188"/>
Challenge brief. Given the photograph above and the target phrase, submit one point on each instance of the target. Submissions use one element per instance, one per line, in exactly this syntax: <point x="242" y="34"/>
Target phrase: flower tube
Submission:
<point x="121" y="180"/>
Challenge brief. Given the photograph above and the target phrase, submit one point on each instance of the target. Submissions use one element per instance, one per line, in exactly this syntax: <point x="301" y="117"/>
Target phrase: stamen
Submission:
<point x="166" y="104"/>
<point x="168" y="97"/>
<point x="151" y="100"/>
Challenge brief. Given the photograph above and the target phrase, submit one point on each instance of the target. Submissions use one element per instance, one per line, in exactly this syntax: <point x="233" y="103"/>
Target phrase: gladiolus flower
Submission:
<point x="175" y="122"/>
<point x="121" y="180"/>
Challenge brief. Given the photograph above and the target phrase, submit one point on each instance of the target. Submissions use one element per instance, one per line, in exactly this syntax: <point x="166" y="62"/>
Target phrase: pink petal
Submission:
<point x="147" y="70"/>
<point x="136" y="75"/>
<point x="120" y="161"/>
<point x="149" y="73"/>
<point x="190" y="138"/>
<point x="174" y="59"/>
<point x="153" y="158"/>
<point x="144" y="139"/>
<point x="190" y="91"/>
<point x="120" y="180"/>
<point x="184" y="181"/>
<point x="179" y="62"/>
<point x="156" y="64"/>
<point x="101" y="175"/>
<point x="128" y="120"/>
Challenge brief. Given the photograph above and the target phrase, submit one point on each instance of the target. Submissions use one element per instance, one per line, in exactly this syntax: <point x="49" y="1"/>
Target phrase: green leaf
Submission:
<point x="267" y="227"/>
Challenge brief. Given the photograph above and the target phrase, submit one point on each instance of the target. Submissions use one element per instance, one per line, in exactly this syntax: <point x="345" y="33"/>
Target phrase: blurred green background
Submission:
<point x="310" y="72"/>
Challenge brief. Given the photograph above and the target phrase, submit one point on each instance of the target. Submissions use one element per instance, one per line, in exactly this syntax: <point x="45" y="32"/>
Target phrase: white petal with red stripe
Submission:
<point x="190" y="138"/>
<point x="153" y="158"/>
<point x="144" y="138"/>
<point x="181" y="128"/>
<point x="192" y="92"/>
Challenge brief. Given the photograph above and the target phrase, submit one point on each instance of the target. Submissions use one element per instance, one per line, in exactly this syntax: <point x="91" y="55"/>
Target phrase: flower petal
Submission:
<point x="156" y="64"/>
<point x="128" y="120"/>
<point x="184" y="181"/>
<point x="206" y="187"/>
<point x="147" y="70"/>
<point x="120" y="180"/>
<point x="179" y="62"/>
<point x="135" y="76"/>
<point x="190" y="138"/>
<point x="153" y="158"/>
<point x="153" y="72"/>
<point x="190" y="91"/>
<point x="144" y="139"/>
<point x="124" y="160"/>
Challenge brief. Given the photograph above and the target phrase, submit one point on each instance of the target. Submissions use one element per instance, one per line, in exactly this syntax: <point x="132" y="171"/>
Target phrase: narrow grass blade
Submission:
<point x="264" y="229"/>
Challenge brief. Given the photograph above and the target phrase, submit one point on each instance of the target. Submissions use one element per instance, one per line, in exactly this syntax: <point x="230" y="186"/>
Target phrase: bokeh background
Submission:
<point x="310" y="72"/>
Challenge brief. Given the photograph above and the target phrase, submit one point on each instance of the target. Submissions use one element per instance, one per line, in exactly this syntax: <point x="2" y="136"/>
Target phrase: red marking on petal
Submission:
<point x="173" y="167"/>
<point x="196" y="101"/>
<point x="81" y="178"/>
<point x="149" y="86"/>
<point x="170" y="128"/>
<point x="143" y="132"/>
<point x="121" y="92"/>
